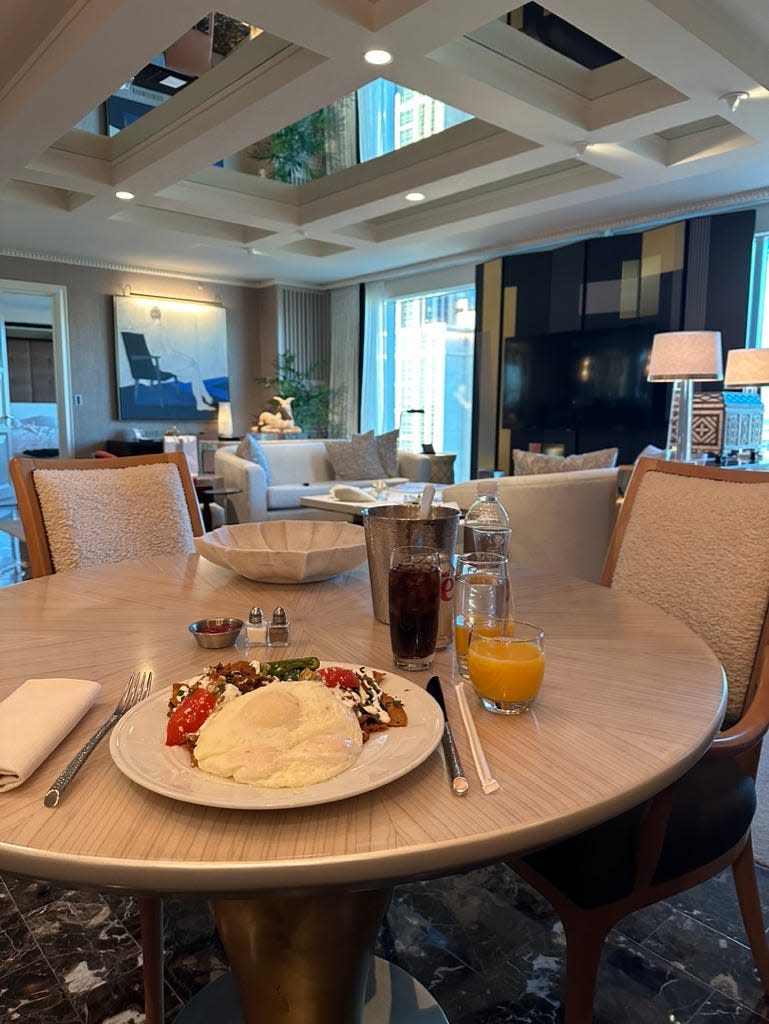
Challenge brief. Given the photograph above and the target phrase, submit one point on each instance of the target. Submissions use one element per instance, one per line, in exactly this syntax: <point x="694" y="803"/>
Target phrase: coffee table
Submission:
<point x="395" y="496"/>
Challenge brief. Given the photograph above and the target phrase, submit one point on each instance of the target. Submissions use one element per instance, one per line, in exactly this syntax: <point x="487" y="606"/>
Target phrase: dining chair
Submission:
<point x="80" y="512"/>
<point x="691" y="540"/>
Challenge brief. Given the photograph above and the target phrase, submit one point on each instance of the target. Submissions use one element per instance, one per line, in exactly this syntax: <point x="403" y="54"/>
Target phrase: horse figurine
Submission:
<point x="280" y="422"/>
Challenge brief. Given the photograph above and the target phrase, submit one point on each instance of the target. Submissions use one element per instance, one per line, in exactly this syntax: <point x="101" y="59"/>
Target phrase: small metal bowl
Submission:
<point x="216" y="633"/>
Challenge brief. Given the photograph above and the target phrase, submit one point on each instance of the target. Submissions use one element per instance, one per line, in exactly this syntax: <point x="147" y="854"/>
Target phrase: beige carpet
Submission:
<point x="761" y="820"/>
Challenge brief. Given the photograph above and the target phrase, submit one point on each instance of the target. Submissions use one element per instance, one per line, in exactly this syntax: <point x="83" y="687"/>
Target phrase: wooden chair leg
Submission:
<point x="744" y="871"/>
<point x="151" y="918"/>
<point x="584" y="941"/>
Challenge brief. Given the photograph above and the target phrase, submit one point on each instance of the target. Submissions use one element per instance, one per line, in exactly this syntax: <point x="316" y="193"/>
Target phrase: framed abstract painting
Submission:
<point x="170" y="358"/>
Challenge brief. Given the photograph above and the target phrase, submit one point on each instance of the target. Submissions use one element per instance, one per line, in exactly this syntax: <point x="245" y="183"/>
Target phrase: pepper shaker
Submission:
<point x="256" y="630"/>
<point x="277" y="630"/>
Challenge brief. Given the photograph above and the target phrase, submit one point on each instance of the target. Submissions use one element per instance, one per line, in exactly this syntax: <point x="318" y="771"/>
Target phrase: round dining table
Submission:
<point x="631" y="699"/>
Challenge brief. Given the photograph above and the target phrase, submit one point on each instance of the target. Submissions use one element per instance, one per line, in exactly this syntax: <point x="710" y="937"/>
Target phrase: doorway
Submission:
<point x="36" y="402"/>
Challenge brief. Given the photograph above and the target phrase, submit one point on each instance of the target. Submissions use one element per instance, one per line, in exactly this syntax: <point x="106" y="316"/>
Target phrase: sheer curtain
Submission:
<point x="377" y="411"/>
<point x="345" y="359"/>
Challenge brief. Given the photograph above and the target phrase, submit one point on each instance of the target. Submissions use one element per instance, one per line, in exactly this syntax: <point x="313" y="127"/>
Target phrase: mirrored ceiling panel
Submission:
<point x="202" y="47"/>
<point x="561" y="36"/>
<point x="379" y="118"/>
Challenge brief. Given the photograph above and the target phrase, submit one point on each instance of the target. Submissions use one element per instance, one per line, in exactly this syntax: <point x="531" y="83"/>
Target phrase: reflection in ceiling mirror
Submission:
<point x="557" y="34"/>
<point x="210" y="41"/>
<point x="376" y="119"/>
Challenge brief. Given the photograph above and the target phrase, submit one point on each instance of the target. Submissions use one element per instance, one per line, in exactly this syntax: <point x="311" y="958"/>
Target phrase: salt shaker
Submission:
<point x="256" y="629"/>
<point x="277" y="630"/>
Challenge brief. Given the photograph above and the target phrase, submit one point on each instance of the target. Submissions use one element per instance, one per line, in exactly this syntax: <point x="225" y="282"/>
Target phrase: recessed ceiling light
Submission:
<point x="125" y="196"/>
<point x="378" y="57"/>
<point x="415" y="197"/>
<point x="256" y="252"/>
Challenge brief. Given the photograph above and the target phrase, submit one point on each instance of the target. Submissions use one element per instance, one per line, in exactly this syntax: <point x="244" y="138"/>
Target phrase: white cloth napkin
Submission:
<point x="343" y="492"/>
<point x="34" y="719"/>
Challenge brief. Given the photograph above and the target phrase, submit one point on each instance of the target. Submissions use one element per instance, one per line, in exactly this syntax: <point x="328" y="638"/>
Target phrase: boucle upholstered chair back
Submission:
<point x="693" y="540"/>
<point x="82" y="512"/>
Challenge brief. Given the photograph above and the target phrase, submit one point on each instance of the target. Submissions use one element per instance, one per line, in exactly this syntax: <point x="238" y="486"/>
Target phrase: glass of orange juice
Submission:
<point x="481" y="594"/>
<point x="506" y="664"/>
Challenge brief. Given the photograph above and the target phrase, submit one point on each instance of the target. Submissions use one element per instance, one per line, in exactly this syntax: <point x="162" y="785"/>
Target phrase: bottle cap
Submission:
<point x="279" y="616"/>
<point x="489" y="486"/>
<point x="256" y="616"/>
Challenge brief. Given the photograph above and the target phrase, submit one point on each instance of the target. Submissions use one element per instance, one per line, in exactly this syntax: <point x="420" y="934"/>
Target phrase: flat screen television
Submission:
<point x="589" y="382"/>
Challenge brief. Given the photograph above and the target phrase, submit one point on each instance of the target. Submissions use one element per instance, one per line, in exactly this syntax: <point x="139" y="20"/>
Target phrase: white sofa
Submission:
<point x="296" y="469"/>
<point x="561" y="522"/>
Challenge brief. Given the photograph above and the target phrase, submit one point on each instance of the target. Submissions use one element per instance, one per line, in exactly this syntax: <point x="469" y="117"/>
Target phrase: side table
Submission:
<point x="207" y="447"/>
<point x="206" y="493"/>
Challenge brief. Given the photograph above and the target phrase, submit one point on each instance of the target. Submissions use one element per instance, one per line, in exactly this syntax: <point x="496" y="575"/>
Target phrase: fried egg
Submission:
<point x="286" y="734"/>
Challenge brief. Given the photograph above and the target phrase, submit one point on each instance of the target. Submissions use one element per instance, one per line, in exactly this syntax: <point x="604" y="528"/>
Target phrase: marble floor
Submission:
<point x="489" y="948"/>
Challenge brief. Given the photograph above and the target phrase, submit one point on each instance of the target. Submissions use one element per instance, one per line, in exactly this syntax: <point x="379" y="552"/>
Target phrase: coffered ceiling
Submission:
<point x="553" y="149"/>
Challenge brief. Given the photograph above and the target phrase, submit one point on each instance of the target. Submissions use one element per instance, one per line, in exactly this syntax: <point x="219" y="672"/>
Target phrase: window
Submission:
<point x="418" y="369"/>
<point x="758" y="326"/>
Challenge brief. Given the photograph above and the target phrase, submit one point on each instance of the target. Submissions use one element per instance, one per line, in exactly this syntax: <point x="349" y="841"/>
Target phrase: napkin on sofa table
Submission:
<point x="34" y="719"/>
<point x="343" y="492"/>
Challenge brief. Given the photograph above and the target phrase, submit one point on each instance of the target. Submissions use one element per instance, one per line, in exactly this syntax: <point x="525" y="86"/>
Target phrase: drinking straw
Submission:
<point x="488" y="784"/>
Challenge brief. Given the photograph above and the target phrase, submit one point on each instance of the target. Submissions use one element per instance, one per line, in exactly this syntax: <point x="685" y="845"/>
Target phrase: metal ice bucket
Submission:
<point x="391" y="526"/>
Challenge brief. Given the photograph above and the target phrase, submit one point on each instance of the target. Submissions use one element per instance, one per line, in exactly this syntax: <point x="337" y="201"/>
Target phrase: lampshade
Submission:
<point x="747" y="368"/>
<point x="224" y="420"/>
<point x="686" y="355"/>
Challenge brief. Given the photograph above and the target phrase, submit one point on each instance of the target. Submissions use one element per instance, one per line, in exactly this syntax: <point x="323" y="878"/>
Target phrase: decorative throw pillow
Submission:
<point x="533" y="463"/>
<point x="356" y="459"/>
<point x="250" y="448"/>
<point x="387" y="448"/>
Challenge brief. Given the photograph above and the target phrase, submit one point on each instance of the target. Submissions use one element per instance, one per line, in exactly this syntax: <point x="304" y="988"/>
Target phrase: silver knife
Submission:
<point x="458" y="780"/>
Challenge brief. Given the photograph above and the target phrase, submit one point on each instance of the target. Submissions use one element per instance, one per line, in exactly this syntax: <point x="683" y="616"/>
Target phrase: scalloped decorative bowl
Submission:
<point x="285" y="550"/>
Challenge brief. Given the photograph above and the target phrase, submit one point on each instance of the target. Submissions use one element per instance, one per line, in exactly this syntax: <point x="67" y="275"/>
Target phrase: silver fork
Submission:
<point x="137" y="688"/>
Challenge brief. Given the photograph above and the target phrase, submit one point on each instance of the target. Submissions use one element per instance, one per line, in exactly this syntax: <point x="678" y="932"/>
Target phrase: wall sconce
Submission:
<point x="684" y="357"/>
<point x="224" y="420"/>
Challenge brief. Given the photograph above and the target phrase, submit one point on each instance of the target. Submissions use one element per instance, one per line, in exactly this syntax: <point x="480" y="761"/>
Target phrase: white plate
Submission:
<point x="138" y="748"/>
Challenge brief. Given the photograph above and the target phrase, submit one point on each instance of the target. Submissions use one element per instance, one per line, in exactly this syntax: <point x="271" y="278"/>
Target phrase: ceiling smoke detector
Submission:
<point x="733" y="99"/>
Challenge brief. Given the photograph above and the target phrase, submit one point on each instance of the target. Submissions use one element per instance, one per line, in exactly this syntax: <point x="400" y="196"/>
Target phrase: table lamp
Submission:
<point x="224" y="420"/>
<point x="747" y="368"/>
<point x="685" y="357"/>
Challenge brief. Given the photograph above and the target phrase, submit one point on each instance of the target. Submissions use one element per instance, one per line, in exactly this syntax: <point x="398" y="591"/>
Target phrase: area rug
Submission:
<point x="761" y="820"/>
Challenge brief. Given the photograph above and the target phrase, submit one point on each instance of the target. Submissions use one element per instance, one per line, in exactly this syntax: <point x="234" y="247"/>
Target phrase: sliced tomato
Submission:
<point x="189" y="716"/>
<point x="336" y="676"/>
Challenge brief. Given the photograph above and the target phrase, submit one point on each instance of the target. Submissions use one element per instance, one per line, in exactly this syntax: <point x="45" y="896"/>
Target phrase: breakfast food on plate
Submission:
<point x="295" y="734"/>
<point x="279" y="723"/>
